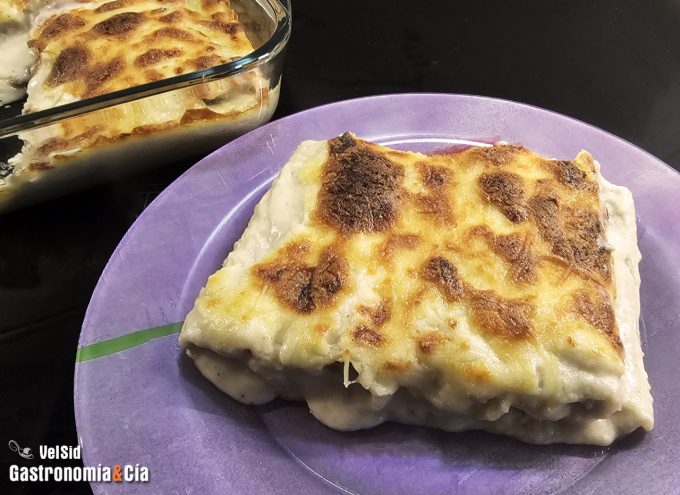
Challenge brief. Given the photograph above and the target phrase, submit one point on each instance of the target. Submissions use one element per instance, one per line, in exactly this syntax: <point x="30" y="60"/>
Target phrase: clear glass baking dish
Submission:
<point x="36" y="163"/>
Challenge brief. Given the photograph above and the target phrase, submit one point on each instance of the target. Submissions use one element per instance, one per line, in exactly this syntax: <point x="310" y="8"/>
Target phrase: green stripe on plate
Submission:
<point x="127" y="341"/>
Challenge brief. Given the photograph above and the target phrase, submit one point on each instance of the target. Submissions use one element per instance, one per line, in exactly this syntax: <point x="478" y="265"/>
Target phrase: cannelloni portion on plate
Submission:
<point x="489" y="289"/>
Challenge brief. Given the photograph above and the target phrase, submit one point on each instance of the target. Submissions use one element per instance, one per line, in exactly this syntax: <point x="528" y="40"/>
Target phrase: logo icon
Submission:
<point x="25" y="452"/>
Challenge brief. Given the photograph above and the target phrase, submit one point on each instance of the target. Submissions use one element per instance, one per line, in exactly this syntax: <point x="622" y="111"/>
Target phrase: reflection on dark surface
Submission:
<point x="614" y="64"/>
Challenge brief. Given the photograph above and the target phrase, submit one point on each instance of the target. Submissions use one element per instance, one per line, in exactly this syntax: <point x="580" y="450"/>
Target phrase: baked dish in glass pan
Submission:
<point x="93" y="90"/>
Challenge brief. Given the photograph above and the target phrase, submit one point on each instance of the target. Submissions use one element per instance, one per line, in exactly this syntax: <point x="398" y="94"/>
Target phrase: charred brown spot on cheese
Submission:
<point x="143" y="130"/>
<point x="40" y="166"/>
<point x="328" y="277"/>
<point x="395" y="242"/>
<point x="60" y="144"/>
<point x="109" y="6"/>
<point x="433" y="176"/>
<point x="596" y="308"/>
<point x="206" y="61"/>
<point x="397" y="366"/>
<point x="231" y="28"/>
<point x="479" y="231"/>
<point x="569" y="174"/>
<point x="71" y="64"/>
<point x="224" y="16"/>
<point x="378" y="314"/>
<point x="361" y="190"/>
<point x="513" y="248"/>
<point x="573" y="235"/>
<point x="173" y="17"/>
<point x="415" y="299"/>
<point x="453" y="246"/>
<point x="365" y="335"/>
<point x="504" y="191"/>
<point x="296" y="251"/>
<point x="434" y="206"/>
<point x="55" y="27"/>
<point x="429" y="342"/>
<point x="199" y="114"/>
<point x="153" y="75"/>
<point x="292" y="286"/>
<point x="321" y="329"/>
<point x="545" y="211"/>
<point x="441" y="272"/>
<point x="342" y="143"/>
<point x="155" y="55"/>
<point x="305" y="288"/>
<point x="476" y="372"/>
<point x="173" y="33"/>
<point x="501" y="317"/>
<point x="498" y="154"/>
<point x="103" y="72"/>
<point x="570" y="341"/>
<point x="53" y="144"/>
<point x="509" y="246"/>
<point x="119" y="24"/>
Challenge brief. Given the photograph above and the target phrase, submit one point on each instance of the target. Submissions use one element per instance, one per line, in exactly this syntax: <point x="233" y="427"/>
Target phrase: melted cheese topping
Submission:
<point x="479" y="284"/>
<point x="124" y="43"/>
<point x="87" y="49"/>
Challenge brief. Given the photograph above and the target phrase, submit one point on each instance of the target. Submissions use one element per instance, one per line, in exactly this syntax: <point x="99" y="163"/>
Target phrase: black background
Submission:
<point x="614" y="64"/>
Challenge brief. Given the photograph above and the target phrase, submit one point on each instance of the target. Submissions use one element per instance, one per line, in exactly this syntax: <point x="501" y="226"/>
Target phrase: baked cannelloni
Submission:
<point x="488" y="289"/>
<point x="88" y="49"/>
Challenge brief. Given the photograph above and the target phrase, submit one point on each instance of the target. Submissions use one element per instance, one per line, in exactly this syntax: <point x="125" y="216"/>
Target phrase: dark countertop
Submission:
<point x="614" y="64"/>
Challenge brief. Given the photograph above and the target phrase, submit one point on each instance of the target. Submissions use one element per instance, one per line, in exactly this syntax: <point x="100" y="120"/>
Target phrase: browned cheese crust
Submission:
<point x="126" y="43"/>
<point x="544" y="236"/>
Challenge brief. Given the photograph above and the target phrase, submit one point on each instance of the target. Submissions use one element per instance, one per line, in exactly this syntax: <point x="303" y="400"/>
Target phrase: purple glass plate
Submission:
<point x="138" y="400"/>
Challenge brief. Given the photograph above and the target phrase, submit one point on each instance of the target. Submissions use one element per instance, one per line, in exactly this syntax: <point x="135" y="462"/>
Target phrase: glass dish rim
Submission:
<point x="269" y="49"/>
